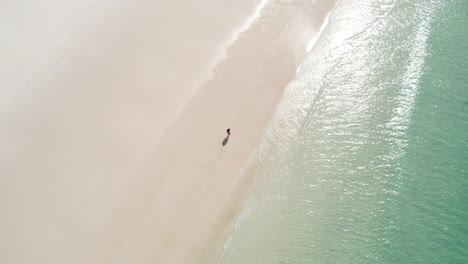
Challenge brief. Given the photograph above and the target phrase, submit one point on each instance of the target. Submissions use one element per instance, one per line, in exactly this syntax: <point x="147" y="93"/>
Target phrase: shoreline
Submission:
<point x="251" y="166"/>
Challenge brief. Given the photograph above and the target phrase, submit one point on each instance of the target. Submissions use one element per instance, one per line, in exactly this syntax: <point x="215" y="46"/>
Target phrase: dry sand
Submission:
<point x="111" y="144"/>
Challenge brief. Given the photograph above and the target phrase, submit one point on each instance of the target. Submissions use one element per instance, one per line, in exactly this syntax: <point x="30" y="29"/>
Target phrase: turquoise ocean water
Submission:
<point x="366" y="160"/>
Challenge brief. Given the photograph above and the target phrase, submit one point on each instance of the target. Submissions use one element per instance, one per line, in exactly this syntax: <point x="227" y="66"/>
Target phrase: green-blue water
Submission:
<point x="367" y="158"/>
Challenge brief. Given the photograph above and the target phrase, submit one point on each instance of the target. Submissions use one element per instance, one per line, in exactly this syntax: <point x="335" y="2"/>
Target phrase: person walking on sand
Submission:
<point x="226" y="139"/>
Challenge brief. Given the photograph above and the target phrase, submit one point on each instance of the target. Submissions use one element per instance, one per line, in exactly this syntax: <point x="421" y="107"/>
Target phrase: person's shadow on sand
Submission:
<point x="226" y="139"/>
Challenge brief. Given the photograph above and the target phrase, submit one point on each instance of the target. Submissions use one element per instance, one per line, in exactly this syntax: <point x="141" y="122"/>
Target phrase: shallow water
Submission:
<point x="366" y="160"/>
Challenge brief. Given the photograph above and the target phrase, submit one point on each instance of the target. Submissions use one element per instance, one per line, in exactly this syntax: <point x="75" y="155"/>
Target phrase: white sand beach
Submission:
<point x="113" y="115"/>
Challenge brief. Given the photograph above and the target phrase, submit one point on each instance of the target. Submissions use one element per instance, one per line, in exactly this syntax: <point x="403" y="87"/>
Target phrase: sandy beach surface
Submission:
<point x="113" y="117"/>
